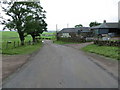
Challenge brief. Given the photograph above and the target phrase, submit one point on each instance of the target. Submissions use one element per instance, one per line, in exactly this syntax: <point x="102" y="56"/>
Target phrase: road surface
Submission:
<point x="57" y="66"/>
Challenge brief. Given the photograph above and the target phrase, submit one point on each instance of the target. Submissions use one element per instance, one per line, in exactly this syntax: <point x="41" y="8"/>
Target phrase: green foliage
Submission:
<point x="94" y="24"/>
<point x="108" y="51"/>
<point x="35" y="24"/>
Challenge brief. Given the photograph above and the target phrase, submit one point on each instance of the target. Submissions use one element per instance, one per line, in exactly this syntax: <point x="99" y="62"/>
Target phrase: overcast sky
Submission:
<point x="72" y="12"/>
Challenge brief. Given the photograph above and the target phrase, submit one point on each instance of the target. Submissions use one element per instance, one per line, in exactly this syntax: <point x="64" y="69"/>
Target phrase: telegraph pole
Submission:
<point x="67" y="25"/>
<point x="56" y="31"/>
<point x="56" y="28"/>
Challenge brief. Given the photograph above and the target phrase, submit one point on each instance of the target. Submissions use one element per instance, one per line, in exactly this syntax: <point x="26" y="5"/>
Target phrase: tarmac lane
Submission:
<point x="57" y="66"/>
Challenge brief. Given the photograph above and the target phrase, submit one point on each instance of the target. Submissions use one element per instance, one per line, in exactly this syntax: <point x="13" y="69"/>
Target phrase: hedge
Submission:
<point x="107" y="43"/>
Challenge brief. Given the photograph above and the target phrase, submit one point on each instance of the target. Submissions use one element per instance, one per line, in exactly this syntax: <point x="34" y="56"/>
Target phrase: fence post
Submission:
<point x="18" y="43"/>
<point x="7" y="45"/>
<point x="29" y="42"/>
<point x="14" y="44"/>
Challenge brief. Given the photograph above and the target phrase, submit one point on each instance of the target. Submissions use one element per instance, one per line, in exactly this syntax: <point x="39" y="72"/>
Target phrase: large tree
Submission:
<point x="94" y="24"/>
<point x="19" y="12"/>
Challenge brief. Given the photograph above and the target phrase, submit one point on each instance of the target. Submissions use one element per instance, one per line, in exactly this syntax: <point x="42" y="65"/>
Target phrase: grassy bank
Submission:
<point x="13" y="37"/>
<point x="107" y="51"/>
<point x="63" y="42"/>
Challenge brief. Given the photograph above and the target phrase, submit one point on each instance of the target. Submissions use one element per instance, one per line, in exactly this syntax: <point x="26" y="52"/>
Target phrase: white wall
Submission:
<point x="65" y="35"/>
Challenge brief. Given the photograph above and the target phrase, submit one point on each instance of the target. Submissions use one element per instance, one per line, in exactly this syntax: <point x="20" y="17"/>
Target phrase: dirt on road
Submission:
<point x="78" y="46"/>
<point x="11" y="63"/>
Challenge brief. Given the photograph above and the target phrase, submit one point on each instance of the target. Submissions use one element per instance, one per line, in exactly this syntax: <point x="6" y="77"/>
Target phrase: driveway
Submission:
<point x="57" y="66"/>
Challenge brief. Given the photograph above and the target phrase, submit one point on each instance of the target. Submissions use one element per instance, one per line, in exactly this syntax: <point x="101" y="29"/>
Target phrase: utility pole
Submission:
<point x="56" y="28"/>
<point x="67" y="25"/>
<point x="56" y="31"/>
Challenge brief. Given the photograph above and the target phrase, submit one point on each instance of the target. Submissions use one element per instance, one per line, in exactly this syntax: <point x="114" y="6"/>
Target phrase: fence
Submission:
<point x="107" y="43"/>
<point x="15" y="44"/>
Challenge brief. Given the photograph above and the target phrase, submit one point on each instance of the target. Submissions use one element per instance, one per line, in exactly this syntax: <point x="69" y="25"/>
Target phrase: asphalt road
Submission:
<point x="57" y="66"/>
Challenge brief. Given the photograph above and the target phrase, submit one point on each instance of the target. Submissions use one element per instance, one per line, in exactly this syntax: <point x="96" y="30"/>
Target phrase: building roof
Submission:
<point x="68" y="30"/>
<point x="75" y="30"/>
<point x="85" y="29"/>
<point x="106" y="26"/>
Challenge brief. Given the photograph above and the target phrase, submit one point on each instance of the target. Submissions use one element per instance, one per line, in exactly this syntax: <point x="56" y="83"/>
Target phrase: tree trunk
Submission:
<point x="33" y="37"/>
<point x="21" y="35"/>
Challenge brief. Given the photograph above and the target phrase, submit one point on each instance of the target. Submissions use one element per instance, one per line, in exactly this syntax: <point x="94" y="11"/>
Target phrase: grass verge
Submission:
<point x="22" y="49"/>
<point x="62" y="42"/>
<point x="108" y="51"/>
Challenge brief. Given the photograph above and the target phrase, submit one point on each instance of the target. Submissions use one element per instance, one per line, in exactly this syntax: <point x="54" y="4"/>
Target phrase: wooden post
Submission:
<point x="29" y="42"/>
<point x="24" y="43"/>
<point x="7" y="45"/>
<point x="18" y="43"/>
<point x="14" y="44"/>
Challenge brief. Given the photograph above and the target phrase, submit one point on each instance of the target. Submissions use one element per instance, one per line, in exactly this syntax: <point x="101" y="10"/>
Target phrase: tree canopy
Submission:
<point x="35" y="26"/>
<point x="94" y="24"/>
<point x="79" y="25"/>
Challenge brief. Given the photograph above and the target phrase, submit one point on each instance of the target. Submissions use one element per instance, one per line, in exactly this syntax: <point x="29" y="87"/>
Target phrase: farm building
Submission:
<point x="85" y="32"/>
<point x="65" y="32"/>
<point x="107" y="29"/>
<point x="74" y="32"/>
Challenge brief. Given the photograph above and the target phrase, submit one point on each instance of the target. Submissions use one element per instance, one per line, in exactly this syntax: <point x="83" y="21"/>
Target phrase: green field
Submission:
<point x="13" y="37"/>
<point x="108" y="51"/>
<point x="48" y="35"/>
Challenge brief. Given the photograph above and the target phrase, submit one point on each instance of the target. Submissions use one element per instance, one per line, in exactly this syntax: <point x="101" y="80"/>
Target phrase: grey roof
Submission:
<point x="68" y="30"/>
<point x="85" y="29"/>
<point x="75" y="30"/>
<point x="106" y="25"/>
